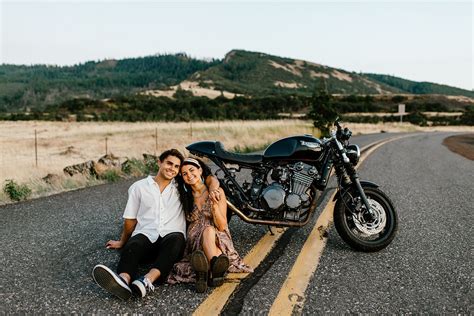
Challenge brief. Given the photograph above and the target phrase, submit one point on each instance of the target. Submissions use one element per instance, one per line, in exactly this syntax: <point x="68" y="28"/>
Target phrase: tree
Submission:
<point x="467" y="118"/>
<point x="417" y="118"/>
<point x="182" y="94"/>
<point x="322" y="110"/>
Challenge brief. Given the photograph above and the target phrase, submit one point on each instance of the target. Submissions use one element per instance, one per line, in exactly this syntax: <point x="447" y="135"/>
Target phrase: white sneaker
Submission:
<point x="141" y="286"/>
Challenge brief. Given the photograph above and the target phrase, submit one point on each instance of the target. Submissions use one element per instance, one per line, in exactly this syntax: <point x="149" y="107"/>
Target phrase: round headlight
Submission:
<point x="353" y="153"/>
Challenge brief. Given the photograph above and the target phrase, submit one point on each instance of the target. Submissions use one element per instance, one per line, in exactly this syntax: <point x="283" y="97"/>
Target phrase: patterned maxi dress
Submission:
<point x="198" y="220"/>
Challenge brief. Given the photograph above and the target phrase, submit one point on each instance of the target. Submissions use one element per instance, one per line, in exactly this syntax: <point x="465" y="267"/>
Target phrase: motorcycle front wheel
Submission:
<point x="360" y="230"/>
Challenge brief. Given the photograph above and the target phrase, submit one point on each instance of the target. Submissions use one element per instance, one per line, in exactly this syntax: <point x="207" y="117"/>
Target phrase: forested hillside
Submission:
<point x="253" y="73"/>
<point x="247" y="74"/>
<point x="37" y="86"/>
<point x="414" y="87"/>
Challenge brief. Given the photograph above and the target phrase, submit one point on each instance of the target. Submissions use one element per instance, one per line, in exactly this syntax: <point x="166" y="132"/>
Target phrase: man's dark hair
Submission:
<point x="172" y="152"/>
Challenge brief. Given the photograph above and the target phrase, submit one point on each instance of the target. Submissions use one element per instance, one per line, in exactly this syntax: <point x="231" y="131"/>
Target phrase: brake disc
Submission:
<point x="374" y="226"/>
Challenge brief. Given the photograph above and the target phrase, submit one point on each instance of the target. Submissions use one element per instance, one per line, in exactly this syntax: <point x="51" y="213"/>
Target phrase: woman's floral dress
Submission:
<point x="198" y="220"/>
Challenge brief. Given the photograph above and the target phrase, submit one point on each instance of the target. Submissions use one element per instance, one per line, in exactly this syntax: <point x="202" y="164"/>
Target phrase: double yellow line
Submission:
<point x="291" y="298"/>
<point x="216" y="301"/>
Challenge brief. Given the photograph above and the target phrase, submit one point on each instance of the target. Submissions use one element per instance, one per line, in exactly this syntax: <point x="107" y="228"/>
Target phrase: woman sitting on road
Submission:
<point x="209" y="251"/>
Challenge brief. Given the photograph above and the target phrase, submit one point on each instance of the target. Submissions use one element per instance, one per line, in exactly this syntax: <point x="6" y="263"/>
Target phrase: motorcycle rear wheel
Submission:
<point x="361" y="233"/>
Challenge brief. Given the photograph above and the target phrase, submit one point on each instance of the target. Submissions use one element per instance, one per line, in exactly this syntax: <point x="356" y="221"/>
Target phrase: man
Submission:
<point x="154" y="228"/>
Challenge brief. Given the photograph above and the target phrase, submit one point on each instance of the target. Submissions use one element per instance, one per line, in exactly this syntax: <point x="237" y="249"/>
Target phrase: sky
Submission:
<point x="416" y="40"/>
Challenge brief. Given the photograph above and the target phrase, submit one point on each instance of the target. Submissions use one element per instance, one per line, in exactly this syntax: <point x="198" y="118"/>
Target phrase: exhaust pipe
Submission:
<point x="247" y="219"/>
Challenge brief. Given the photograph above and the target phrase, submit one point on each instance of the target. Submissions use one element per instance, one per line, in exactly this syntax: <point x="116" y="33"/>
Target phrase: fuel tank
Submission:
<point x="303" y="147"/>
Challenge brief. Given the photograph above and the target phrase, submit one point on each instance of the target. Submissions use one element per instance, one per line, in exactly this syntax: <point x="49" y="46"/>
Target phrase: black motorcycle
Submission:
<point x="285" y="181"/>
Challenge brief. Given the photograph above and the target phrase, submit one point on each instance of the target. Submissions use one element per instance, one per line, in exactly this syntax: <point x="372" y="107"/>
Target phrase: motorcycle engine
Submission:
<point x="289" y="191"/>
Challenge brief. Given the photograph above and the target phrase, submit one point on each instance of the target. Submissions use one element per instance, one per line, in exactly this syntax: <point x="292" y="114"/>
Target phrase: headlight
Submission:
<point x="353" y="153"/>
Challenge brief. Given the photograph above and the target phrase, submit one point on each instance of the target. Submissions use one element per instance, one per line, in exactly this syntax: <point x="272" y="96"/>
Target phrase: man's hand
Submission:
<point x="128" y="227"/>
<point x="114" y="244"/>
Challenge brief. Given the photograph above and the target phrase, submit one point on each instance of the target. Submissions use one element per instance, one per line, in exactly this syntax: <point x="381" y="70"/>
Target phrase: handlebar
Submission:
<point x="342" y="134"/>
<point x="339" y="136"/>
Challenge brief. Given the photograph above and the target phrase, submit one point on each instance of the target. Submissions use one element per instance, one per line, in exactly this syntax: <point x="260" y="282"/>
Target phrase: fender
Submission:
<point x="363" y="183"/>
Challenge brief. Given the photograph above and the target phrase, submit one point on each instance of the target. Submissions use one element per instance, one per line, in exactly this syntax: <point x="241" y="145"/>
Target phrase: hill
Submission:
<point x="254" y="73"/>
<point x="259" y="74"/>
<point x="240" y="73"/>
<point x="414" y="87"/>
<point x="37" y="86"/>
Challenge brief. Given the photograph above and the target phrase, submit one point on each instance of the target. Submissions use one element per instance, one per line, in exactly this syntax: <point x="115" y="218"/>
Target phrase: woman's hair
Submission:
<point x="185" y="191"/>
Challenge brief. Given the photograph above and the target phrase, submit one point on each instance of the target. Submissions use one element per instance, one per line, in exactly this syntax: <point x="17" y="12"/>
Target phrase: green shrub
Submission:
<point x="15" y="191"/>
<point x="417" y="118"/>
<point x="399" y="98"/>
<point x="467" y="118"/>
<point x="111" y="175"/>
<point x="151" y="166"/>
<point x="134" y="167"/>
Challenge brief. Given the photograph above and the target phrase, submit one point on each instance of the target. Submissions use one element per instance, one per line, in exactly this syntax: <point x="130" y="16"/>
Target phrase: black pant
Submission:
<point x="162" y="254"/>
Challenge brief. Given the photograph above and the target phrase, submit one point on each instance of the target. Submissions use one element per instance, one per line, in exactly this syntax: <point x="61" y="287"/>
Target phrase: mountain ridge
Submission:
<point x="240" y="72"/>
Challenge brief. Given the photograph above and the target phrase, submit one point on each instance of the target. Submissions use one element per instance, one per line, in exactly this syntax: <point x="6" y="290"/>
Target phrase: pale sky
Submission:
<point x="422" y="41"/>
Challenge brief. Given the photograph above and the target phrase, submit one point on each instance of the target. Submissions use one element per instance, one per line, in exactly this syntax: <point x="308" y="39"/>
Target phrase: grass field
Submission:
<point x="60" y="144"/>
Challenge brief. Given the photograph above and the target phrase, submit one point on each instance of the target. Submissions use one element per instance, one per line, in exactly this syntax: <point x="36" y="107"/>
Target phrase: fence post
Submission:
<point x="36" y="150"/>
<point x="191" y="129"/>
<point x="106" y="146"/>
<point x="156" y="140"/>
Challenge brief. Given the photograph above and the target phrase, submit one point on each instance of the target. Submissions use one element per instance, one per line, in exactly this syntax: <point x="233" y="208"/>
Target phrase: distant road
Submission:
<point x="50" y="245"/>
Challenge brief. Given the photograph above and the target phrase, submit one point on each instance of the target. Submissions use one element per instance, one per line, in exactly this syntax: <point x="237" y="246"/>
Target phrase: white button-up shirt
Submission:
<point x="157" y="213"/>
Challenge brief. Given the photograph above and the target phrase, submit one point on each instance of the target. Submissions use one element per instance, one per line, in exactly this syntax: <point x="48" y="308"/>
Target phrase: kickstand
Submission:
<point x="270" y="230"/>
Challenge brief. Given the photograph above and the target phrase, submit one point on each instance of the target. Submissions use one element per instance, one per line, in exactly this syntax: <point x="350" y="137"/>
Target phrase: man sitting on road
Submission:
<point x="154" y="230"/>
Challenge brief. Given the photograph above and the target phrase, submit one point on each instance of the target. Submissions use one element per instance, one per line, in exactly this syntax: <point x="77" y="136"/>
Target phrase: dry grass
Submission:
<point x="65" y="143"/>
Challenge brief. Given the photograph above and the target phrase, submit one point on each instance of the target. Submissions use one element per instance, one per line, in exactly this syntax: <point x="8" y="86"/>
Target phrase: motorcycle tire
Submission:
<point x="361" y="235"/>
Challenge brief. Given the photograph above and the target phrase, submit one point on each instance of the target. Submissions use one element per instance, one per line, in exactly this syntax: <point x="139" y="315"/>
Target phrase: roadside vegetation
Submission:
<point x="185" y="108"/>
<point x="37" y="86"/>
<point x="15" y="191"/>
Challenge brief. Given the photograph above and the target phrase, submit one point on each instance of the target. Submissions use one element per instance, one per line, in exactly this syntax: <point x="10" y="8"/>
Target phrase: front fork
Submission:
<point x="354" y="178"/>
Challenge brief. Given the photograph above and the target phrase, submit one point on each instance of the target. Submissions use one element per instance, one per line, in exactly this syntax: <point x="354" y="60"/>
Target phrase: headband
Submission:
<point x="192" y="161"/>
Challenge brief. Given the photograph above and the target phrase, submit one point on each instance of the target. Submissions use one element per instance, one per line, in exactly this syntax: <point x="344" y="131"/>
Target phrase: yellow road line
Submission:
<point x="291" y="297"/>
<point x="291" y="294"/>
<point x="374" y="147"/>
<point x="216" y="301"/>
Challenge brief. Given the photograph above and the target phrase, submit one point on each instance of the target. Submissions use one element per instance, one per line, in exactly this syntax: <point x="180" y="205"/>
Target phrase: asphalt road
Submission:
<point x="50" y="245"/>
<point x="428" y="267"/>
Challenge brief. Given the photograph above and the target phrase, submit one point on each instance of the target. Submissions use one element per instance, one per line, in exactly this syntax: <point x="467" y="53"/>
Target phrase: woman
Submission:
<point x="209" y="252"/>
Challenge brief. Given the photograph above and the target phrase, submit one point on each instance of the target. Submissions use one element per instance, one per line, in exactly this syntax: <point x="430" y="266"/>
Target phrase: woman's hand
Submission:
<point x="114" y="244"/>
<point x="215" y="195"/>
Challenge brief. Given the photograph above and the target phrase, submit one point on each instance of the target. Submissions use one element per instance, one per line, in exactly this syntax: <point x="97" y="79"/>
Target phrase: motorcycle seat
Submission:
<point x="233" y="157"/>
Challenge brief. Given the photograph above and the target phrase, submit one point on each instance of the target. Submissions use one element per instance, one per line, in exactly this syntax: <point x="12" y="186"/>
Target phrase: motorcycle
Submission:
<point x="287" y="177"/>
